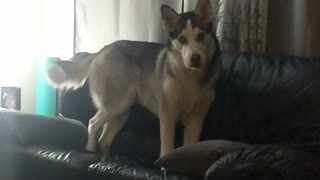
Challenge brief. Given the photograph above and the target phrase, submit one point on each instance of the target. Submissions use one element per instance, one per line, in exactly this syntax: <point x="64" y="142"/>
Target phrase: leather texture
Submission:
<point x="26" y="129"/>
<point x="269" y="101"/>
<point x="132" y="168"/>
<point x="40" y="147"/>
<point x="266" y="162"/>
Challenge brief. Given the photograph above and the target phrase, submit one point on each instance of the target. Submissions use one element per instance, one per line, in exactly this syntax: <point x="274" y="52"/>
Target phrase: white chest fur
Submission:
<point x="185" y="95"/>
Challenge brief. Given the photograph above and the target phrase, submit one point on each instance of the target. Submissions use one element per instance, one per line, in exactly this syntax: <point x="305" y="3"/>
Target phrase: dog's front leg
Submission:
<point x="192" y="129"/>
<point x="194" y="122"/>
<point x="167" y="131"/>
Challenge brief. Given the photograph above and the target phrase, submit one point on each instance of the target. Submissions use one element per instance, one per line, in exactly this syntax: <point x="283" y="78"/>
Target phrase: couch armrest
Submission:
<point x="25" y="129"/>
<point x="266" y="162"/>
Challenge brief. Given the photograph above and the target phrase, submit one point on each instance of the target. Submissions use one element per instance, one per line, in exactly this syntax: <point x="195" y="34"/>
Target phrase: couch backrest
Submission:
<point x="260" y="99"/>
<point x="264" y="98"/>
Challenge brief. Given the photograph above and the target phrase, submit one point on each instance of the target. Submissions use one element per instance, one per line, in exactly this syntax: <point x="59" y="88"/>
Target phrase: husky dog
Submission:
<point x="174" y="81"/>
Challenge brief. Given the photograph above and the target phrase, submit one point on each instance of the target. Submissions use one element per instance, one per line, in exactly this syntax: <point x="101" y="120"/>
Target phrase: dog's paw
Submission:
<point x="163" y="169"/>
<point x="104" y="147"/>
<point x="91" y="148"/>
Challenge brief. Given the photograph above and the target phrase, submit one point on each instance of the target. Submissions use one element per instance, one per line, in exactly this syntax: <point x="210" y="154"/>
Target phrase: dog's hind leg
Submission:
<point x="112" y="83"/>
<point x="110" y="131"/>
<point x="102" y="115"/>
<point x="106" y="114"/>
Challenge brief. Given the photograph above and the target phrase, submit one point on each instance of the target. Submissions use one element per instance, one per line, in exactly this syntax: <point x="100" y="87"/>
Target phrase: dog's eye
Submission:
<point x="201" y="36"/>
<point x="182" y="40"/>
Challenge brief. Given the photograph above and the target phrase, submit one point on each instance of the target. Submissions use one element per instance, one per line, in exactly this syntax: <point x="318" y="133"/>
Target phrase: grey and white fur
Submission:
<point x="174" y="81"/>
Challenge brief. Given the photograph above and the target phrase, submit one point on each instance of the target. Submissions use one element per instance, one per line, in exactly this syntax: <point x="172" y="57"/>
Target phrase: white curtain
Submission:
<point x="100" y="22"/>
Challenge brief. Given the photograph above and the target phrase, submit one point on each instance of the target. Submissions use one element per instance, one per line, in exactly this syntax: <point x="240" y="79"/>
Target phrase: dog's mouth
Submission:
<point x="194" y="69"/>
<point x="193" y="65"/>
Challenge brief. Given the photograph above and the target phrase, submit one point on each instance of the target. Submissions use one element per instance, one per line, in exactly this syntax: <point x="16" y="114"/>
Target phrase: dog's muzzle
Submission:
<point x="195" y="60"/>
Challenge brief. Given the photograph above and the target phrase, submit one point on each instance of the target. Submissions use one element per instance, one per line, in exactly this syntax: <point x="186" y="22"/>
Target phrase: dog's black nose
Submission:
<point x="195" y="60"/>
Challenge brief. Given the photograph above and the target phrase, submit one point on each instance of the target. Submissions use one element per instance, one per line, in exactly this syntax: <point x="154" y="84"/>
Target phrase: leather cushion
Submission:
<point x="26" y="129"/>
<point x="43" y="163"/>
<point x="264" y="162"/>
<point x="195" y="159"/>
<point x="123" y="168"/>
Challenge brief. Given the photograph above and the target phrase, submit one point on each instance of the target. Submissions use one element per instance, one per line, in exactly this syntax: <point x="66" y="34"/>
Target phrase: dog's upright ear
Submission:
<point x="204" y="10"/>
<point x="169" y="18"/>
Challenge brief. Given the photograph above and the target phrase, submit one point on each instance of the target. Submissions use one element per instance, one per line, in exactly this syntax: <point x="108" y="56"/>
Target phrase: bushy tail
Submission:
<point x="70" y="74"/>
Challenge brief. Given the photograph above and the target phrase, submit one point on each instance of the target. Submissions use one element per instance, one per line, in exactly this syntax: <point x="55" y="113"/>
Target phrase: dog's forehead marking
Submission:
<point x="189" y="26"/>
<point x="189" y="29"/>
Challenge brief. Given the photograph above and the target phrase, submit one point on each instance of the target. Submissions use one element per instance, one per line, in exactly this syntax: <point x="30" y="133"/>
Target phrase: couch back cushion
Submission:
<point x="260" y="99"/>
<point x="265" y="98"/>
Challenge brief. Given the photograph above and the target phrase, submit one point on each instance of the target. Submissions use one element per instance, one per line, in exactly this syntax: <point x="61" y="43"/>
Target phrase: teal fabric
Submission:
<point x="46" y="95"/>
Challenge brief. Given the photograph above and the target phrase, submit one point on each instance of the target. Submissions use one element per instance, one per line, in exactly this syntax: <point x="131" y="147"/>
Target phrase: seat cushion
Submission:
<point x="195" y="159"/>
<point x="264" y="162"/>
<point x="43" y="163"/>
<point x="121" y="168"/>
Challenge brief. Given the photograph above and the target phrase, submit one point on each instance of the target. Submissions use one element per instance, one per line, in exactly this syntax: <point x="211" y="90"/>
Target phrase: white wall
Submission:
<point x="31" y="30"/>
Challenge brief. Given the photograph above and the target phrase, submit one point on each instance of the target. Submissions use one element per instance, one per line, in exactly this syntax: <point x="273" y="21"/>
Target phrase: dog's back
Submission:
<point x="125" y="66"/>
<point x="143" y="55"/>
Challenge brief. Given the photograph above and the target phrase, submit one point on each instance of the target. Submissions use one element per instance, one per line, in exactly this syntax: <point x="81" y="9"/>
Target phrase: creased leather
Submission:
<point x="266" y="162"/>
<point x="122" y="168"/>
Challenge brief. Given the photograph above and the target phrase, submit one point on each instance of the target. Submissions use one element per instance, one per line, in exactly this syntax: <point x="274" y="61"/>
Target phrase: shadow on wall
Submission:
<point x="294" y="27"/>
